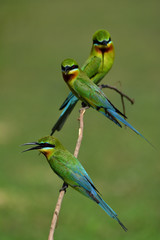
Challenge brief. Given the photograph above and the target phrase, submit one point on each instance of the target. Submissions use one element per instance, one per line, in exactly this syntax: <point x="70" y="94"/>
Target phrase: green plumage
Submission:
<point x="96" y="67"/>
<point x="89" y="93"/>
<point x="70" y="170"/>
<point x="103" y="49"/>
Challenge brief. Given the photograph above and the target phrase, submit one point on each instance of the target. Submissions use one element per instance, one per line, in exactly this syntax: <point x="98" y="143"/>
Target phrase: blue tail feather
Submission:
<point x="107" y="208"/>
<point x="117" y="116"/>
<point x="69" y="98"/>
<point x="87" y="188"/>
<point x="110" y="211"/>
<point x="64" y="115"/>
<point x="109" y="115"/>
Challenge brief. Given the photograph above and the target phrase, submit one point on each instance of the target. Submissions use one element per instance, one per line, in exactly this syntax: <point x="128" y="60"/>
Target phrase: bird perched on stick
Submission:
<point x="96" y="67"/>
<point x="90" y="94"/>
<point x="70" y="170"/>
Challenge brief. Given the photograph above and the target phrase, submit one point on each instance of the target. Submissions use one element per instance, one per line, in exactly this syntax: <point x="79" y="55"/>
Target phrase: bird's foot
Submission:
<point x="64" y="187"/>
<point x="84" y="105"/>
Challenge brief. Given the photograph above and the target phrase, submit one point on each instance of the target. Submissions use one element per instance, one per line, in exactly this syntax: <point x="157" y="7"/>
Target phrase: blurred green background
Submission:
<point x="35" y="36"/>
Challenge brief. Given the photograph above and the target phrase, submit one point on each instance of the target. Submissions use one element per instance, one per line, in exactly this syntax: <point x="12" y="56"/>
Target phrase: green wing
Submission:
<point x="91" y="66"/>
<point x="70" y="170"/>
<point x="89" y="92"/>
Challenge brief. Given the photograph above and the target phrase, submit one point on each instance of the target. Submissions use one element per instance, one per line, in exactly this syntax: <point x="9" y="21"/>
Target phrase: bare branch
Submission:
<point x="131" y="100"/>
<point x="55" y="215"/>
<point x="123" y="105"/>
<point x="63" y="189"/>
<point x="80" y="135"/>
<point x="121" y="94"/>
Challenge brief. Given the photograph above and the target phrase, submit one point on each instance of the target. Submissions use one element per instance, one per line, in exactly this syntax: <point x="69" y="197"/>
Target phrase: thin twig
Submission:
<point x="123" y="105"/>
<point x="121" y="94"/>
<point x="131" y="100"/>
<point x="55" y="215"/>
<point x="62" y="192"/>
<point x="80" y="134"/>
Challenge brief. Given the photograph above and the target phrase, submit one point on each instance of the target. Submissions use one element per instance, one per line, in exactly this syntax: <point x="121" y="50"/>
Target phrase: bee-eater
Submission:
<point x="70" y="170"/>
<point x="89" y="93"/>
<point x="96" y="67"/>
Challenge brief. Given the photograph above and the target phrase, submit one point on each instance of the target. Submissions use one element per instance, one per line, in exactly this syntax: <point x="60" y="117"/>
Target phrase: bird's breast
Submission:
<point x="104" y="49"/>
<point x="69" y="77"/>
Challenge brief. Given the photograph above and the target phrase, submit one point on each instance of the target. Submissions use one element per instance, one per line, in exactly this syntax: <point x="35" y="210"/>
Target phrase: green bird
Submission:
<point x="90" y="94"/>
<point x="96" y="67"/>
<point x="70" y="170"/>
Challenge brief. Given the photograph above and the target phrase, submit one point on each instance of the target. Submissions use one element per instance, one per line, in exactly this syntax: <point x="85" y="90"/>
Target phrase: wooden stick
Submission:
<point x="62" y="192"/>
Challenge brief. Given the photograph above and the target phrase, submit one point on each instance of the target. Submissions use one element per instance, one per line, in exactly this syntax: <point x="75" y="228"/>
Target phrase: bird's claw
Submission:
<point x="64" y="187"/>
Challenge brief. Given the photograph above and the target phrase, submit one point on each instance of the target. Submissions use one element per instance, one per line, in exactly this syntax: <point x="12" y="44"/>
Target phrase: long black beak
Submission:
<point x="39" y="146"/>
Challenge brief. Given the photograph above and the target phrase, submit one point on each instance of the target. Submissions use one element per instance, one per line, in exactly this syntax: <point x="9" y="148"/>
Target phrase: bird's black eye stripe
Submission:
<point x="63" y="68"/>
<point x="43" y="145"/>
<point x="68" y="68"/>
<point x="95" y="41"/>
<point x="104" y="42"/>
<point x="109" y="40"/>
<point x="73" y="67"/>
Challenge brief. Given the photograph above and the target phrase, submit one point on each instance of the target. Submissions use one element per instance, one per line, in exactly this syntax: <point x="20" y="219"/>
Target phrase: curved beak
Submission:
<point x="38" y="146"/>
<point x="105" y="42"/>
<point x="65" y="70"/>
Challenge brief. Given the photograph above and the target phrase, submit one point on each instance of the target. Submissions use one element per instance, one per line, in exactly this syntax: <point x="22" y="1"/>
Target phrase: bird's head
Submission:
<point x="70" y="69"/>
<point x="46" y="145"/>
<point x="102" y="41"/>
